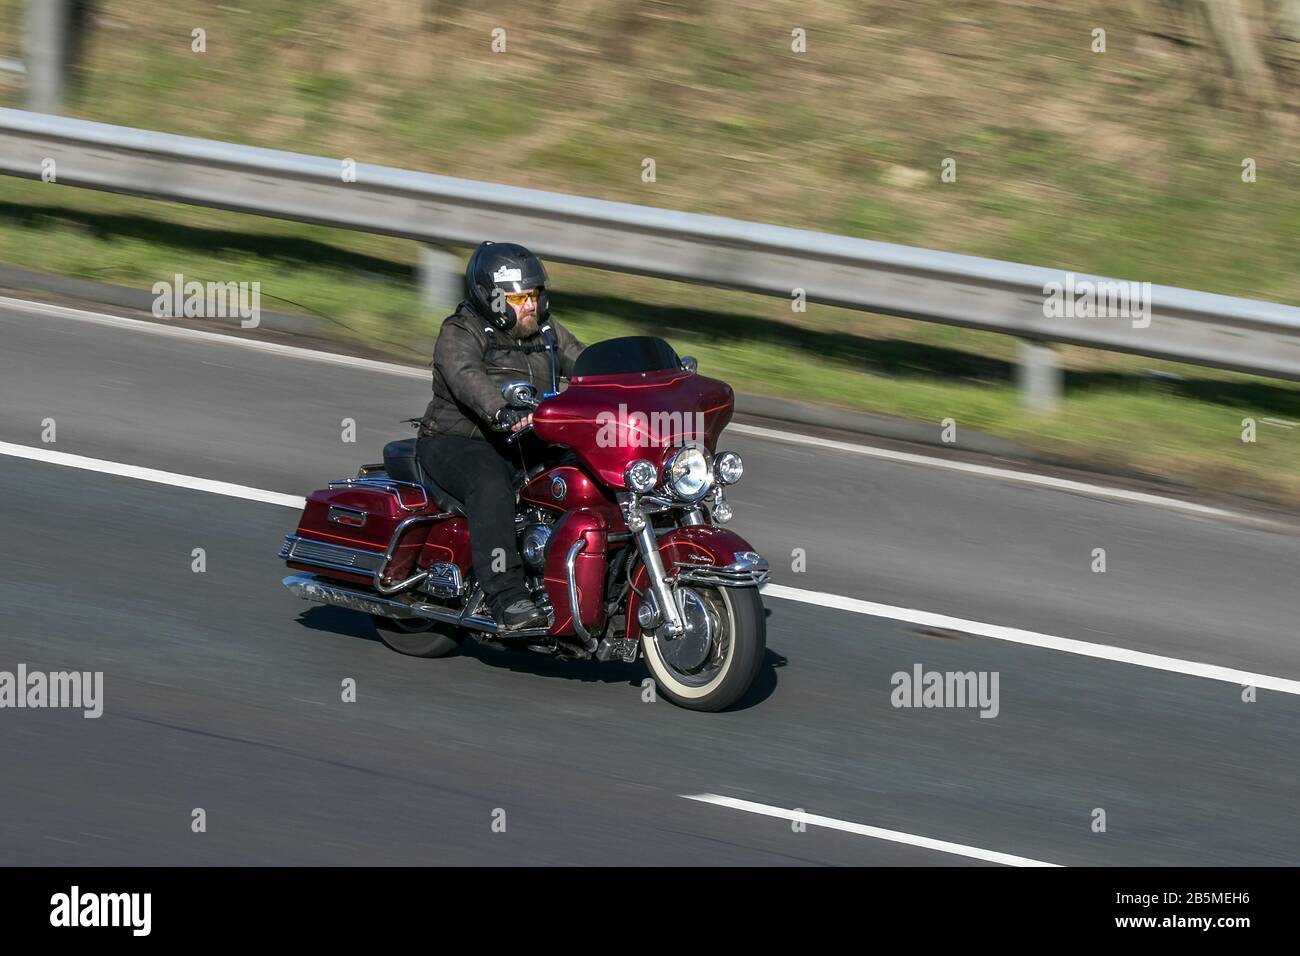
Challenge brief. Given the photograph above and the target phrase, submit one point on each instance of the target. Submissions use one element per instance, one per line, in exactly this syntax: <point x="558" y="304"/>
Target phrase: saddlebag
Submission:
<point x="364" y="530"/>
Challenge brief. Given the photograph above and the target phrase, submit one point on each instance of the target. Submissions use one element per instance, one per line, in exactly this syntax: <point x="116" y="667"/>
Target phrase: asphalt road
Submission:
<point x="223" y="692"/>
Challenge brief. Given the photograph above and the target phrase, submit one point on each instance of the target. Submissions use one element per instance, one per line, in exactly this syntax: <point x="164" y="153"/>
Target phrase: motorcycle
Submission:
<point x="619" y="530"/>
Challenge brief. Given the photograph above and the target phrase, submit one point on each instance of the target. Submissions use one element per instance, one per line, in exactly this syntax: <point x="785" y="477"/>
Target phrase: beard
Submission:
<point x="525" y="327"/>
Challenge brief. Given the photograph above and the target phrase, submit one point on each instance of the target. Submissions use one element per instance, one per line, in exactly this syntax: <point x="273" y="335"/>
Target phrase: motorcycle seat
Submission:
<point x="403" y="464"/>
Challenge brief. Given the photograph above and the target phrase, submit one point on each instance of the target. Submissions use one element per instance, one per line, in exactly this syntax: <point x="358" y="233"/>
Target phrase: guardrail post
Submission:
<point x="442" y="281"/>
<point x="47" y="45"/>
<point x="1039" y="377"/>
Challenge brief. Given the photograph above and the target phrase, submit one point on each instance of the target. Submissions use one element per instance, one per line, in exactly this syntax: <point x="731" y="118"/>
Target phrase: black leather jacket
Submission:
<point x="472" y="360"/>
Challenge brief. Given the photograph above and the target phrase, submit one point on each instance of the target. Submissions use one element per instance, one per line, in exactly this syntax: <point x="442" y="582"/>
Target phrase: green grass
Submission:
<point x="1122" y="164"/>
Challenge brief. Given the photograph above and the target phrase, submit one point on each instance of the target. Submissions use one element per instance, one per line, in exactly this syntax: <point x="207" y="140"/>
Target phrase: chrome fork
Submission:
<point x="669" y="613"/>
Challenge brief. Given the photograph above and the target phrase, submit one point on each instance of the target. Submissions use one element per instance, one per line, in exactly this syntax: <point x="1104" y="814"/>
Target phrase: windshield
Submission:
<point x="627" y="355"/>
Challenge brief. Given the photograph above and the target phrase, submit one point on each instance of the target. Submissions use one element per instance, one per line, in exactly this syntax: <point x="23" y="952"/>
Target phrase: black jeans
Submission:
<point x="480" y="475"/>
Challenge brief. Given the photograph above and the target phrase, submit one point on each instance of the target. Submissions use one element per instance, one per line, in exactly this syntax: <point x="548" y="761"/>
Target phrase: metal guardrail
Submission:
<point x="1197" y="327"/>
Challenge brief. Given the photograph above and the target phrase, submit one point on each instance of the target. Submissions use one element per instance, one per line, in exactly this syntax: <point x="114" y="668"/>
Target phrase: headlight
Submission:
<point x="728" y="467"/>
<point x="640" y="476"/>
<point x="688" y="474"/>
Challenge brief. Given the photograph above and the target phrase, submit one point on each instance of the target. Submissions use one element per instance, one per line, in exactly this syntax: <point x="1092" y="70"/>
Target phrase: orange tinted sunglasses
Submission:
<point x="519" y="298"/>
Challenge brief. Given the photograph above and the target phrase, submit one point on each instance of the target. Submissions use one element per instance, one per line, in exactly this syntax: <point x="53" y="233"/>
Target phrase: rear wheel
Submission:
<point x="417" y="636"/>
<point x="717" y="659"/>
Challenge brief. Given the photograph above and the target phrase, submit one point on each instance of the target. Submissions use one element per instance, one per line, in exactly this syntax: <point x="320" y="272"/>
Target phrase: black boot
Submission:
<point x="518" y="613"/>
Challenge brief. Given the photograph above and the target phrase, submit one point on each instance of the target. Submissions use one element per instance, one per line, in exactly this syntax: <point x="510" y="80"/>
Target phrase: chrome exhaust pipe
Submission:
<point x="309" y="587"/>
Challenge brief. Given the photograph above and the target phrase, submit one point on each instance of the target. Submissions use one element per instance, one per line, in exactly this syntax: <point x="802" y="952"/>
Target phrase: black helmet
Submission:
<point x="508" y="267"/>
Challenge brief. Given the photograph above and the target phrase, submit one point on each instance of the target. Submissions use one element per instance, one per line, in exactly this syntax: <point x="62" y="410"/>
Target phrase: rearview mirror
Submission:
<point x="520" y="394"/>
<point x="690" y="363"/>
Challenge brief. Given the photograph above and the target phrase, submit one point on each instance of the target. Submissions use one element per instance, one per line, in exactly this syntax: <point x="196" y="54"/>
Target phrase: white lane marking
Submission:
<point x="407" y="371"/>
<point x="151" y="474"/>
<point x="821" y="598"/>
<point x="893" y="836"/>
<point x="987" y="471"/>
<point x="1034" y="639"/>
<point x="156" y="328"/>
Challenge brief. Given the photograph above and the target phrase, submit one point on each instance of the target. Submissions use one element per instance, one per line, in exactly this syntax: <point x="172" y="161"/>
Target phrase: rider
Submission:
<point x="502" y="332"/>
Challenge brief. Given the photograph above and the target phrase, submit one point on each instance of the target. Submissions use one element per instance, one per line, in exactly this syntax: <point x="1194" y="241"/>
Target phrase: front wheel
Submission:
<point x="716" y="660"/>
<point x="417" y="636"/>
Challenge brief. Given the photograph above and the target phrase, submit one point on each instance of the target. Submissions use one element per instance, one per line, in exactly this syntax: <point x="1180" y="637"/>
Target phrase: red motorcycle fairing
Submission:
<point x="591" y="527"/>
<point x="573" y="492"/>
<point x="612" y="420"/>
<point x="696" y="546"/>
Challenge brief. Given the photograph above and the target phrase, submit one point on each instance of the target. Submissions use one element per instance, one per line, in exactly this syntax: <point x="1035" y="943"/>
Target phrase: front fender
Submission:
<point x="705" y="553"/>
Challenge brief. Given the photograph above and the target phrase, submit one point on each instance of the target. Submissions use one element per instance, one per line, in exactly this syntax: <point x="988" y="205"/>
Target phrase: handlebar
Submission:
<point x="510" y="440"/>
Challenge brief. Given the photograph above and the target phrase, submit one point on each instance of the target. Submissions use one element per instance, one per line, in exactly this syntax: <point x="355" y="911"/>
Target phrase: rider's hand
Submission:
<point x="510" y="419"/>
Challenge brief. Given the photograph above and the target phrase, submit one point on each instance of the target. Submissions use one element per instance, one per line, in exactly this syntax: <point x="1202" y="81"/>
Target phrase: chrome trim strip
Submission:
<point x="751" y="570"/>
<point x="335" y="557"/>
<point x="717" y="577"/>
<point x="339" y="515"/>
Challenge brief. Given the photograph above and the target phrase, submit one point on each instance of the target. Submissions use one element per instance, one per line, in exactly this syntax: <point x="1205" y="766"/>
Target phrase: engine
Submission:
<point x="533" y="538"/>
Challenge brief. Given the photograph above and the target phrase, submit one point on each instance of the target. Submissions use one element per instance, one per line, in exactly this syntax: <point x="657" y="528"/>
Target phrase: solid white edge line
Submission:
<point x="820" y="598"/>
<point x="778" y="591"/>
<point x="406" y="371"/>
<point x="987" y="471"/>
<point x="256" y="345"/>
<point x="151" y="474"/>
<point x="1034" y="639"/>
<point x="893" y="836"/>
